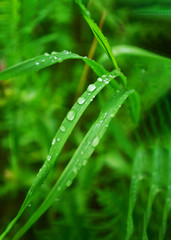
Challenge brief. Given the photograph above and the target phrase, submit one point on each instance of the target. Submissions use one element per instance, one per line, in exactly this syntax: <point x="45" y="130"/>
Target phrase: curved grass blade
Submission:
<point x="61" y="137"/>
<point x="136" y="51"/>
<point x="43" y="61"/>
<point x="134" y="188"/>
<point x="98" y="34"/>
<point x="81" y="155"/>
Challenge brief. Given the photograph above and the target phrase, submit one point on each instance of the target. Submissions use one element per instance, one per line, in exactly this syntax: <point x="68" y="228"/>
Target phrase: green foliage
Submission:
<point x="107" y="168"/>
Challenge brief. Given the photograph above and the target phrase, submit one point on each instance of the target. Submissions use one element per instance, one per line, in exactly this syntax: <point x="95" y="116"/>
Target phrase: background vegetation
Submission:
<point x="127" y="180"/>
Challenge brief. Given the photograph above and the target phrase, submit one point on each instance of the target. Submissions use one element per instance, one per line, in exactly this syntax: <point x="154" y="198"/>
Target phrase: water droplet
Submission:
<point x="58" y="139"/>
<point x="54" y="52"/>
<point x="104" y="76"/>
<point x="49" y="157"/>
<point x="46" y="54"/>
<point x="29" y="205"/>
<point x="62" y="128"/>
<point x="55" y="57"/>
<point x="37" y="63"/>
<point x="112" y="115"/>
<point x="91" y="88"/>
<point x="59" y="59"/>
<point x="99" y="79"/>
<point x="106" y="80"/>
<point x="95" y="142"/>
<point x="66" y="52"/>
<point x="43" y="60"/>
<point x="71" y="115"/>
<point x="81" y="100"/>
<point x="54" y="141"/>
<point x="85" y="57"/>
<point x="84" y="162"/>
<point x="74" y="170"/>
<point x="68" y="183"/>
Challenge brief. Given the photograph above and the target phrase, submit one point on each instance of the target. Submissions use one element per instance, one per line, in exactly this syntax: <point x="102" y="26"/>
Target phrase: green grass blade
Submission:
<point x="134" y="188"/>
<point x="43" y="61"/>
<point x="81" y="156"/>
<point x="61" y="137"/>
<point x="98" y="34"/>
<point x="136" y="51"/>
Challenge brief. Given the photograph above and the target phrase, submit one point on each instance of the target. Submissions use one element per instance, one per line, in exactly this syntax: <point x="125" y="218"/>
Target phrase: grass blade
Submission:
<point x="81" y="156"/>
<point x="61" y="137"/>
<point x="43" y="61"/>
<point x="98" y="34"/>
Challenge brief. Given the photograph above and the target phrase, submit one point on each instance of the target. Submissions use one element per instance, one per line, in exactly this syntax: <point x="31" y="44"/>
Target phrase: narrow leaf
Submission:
<point x="98" y="34"/>
<point x="43" y="61"/>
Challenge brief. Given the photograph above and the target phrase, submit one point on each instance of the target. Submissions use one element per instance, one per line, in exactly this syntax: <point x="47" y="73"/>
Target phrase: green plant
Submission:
<point x="117" y="92"/>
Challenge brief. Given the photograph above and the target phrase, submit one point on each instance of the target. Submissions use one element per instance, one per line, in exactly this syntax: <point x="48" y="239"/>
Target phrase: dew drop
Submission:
<point x="37" y="63"/>
<point x="62" y="128"/>
<point x="54" y="52"/>
<point x="68" y="183"/>
<point x="46" y="54"/>
<point x="49" y="157"/>
<point x="29" y="205"/>
<point x="95" y="142"/>
<point x="112" y="115"/>
<point x="43" y="60"/>
<point x="91" y="88"/>
<point x="81" y="100"/>
<point x="71" y="115"/>
<point x="54" y="141"/>
<point x="58" y="139"/>
<point x="99" y="79"/>
<point x="84" y="162"/>
<point x="59" y="59"/>
<point x="106" y="80"/>
<point x="66" y="52"/>
<point x="55" y="57"/>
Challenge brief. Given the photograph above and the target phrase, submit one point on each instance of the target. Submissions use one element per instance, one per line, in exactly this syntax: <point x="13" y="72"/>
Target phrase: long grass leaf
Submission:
<point x="98" y="34"/>
<point x="61" y="137"/>
<point x="81" y="156"/>
<point x="43" y="61"/>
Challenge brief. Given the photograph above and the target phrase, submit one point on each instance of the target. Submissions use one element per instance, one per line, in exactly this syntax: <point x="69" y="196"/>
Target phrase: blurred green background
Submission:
<point x="33" y="106"/>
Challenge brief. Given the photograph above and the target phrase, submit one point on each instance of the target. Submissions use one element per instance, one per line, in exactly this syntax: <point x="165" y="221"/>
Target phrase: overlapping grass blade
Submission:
<point x="61" y="137"/>
<point x="98" y="34"/>
<point x="43" y="61"/>
<point x="134" y="188"/>
<point x="81" y="156"/>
